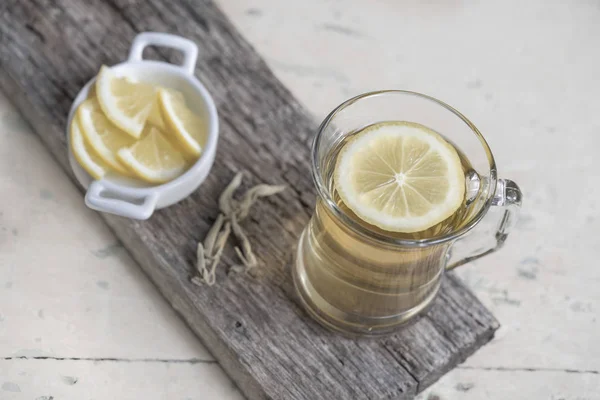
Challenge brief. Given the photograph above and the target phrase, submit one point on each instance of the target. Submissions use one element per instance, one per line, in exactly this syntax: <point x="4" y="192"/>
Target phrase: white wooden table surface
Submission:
<point x="78" y="319"/>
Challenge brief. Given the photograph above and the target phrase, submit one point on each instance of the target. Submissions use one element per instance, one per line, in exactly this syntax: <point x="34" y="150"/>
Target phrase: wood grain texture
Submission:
<point x="252" y="325"/>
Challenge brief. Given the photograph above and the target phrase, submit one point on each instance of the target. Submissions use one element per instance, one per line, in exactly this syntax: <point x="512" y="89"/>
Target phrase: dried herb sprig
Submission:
<point x="253" y="194"/>
<point x="232" y="213"/>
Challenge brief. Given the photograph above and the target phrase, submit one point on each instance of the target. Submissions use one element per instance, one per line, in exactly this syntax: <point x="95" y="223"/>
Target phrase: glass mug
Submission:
<point x="361" y="280"/>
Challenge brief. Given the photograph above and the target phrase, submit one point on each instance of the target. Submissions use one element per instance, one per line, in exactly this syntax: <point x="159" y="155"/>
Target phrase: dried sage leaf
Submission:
<point x="226" y="197"/>
<point x="211" y="236"/>
<point x="207" y="273"/>
<point x="220" y="245"/>
<point x="241" y="256"/>
<point x="253" y="194"/>
<point x="248" y="258"/>
<point x="200" y="259"/>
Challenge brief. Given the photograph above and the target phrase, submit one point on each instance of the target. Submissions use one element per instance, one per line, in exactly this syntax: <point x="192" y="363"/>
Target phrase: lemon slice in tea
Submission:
<point x="400" y="177"/>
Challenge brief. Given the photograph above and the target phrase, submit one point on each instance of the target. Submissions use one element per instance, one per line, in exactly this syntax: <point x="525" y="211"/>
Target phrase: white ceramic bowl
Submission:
<point x="136" y="199"/>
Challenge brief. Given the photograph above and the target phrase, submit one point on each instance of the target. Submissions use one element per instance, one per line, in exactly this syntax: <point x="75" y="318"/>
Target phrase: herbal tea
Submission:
<point x="394" y="180"/>
<point x="394" y="198"/>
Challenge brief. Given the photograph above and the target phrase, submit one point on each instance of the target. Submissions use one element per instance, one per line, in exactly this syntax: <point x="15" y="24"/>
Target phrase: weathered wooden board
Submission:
<point x="265" y="342"/>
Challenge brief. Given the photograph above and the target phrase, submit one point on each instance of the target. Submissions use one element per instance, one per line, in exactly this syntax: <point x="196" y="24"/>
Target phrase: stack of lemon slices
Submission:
<point x="135" y="129"/>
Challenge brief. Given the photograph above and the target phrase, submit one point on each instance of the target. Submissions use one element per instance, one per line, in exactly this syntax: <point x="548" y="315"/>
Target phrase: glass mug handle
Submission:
<point x="507" y="199"/>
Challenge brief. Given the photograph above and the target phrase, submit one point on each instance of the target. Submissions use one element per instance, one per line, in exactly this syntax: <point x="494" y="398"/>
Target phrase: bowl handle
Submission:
<point x="186" y="46"/>
<point x="115" y="201"/>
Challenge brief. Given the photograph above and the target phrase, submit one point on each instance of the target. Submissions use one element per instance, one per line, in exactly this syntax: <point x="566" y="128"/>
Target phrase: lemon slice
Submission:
<point x="104" y="138"/>
<point x="400" y="176"/>
<point x="127" y="104"/>
<point x="187" y="127"/>
<point x="83" y="154"/>
<point x="155" y="117"/>
<point x="153" y="158"/>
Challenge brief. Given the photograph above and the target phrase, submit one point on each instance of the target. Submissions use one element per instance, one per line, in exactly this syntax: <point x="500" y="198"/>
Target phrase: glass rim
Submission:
<point x="323" y="191"/>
